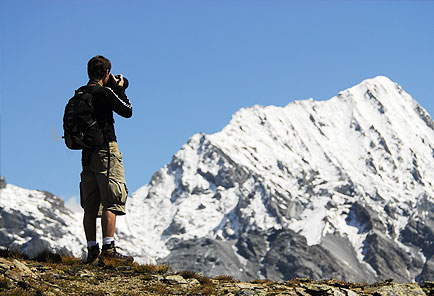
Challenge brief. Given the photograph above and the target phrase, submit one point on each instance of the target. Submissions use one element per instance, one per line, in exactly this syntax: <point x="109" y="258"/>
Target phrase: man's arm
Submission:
<point x="119" y="101"/>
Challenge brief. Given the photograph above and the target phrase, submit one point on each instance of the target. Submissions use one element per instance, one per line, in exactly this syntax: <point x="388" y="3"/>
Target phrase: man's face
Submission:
<point x="107" y="75"/>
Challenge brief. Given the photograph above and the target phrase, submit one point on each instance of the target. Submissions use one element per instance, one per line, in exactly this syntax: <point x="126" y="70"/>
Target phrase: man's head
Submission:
<point x="98" y="68"/>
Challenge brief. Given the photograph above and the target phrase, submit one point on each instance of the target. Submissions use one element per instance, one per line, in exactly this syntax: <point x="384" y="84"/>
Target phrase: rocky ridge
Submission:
<point x="67" y="276"/>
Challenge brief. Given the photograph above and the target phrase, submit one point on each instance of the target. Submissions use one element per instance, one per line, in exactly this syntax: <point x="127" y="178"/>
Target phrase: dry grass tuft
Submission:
<point x="158" y="289"/>
<point x="383" y="283"/>
<point x="13" y="253"/>
<point x="225" y="278"/>
<point x="262" y="282"/>
<point x="207" y="290"/>
<point x="49" y="257"/>
<point x="152" y="268"/>
<point x="341" y="284"/>
<point x="188" y="274"/>
<point x="113" y="263"/>
<point x="207" y="286"/>
<point x="206" y="281"/>
<point x="297" y="281"/>
<point x="70" y="260"/>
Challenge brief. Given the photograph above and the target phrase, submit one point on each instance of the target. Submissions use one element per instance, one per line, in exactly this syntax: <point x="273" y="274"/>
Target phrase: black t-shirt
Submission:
<point x="105" y="101"/>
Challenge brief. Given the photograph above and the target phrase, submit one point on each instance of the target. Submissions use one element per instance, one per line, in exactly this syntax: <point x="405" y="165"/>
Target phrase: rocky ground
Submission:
<point x="62" y="275"/>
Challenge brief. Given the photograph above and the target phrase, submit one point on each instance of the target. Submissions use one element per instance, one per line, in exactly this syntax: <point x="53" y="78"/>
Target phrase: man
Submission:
<point x="103" y="191"/>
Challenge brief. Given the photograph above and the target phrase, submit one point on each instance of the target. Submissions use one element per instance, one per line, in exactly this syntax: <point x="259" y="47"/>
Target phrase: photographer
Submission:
<point x="103" y="191"/>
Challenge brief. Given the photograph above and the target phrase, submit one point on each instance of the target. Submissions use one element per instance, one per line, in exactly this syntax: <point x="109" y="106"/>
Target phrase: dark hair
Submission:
<point x="97" y="67"/>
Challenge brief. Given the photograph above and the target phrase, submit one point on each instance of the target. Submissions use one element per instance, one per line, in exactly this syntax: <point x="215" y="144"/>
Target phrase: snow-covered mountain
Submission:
<point x="321" y="189"/>
<point x="33" y="221"/>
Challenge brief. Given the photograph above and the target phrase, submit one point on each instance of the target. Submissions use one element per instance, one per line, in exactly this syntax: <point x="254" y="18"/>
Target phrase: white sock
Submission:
<point x="91" y="243"/>
<point x="108" y="240"/>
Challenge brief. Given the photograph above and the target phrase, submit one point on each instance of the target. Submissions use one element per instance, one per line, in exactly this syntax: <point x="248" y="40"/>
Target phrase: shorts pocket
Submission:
<point x="118" y="192"/>
<point x="116" y="170"/>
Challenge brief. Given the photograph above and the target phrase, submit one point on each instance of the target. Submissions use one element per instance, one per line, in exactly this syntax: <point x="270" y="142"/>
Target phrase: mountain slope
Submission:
<point x="339" y="188"/>
<point x="33" y="220"/>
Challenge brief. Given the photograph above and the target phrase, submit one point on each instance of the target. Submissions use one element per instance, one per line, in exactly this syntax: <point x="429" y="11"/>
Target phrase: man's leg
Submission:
<point x="110" y="195"/>
<point x="108" y="223"/>
<point x="89" y="223"/>
<point x="113" y="197"/>
<point x="90" y="201"/>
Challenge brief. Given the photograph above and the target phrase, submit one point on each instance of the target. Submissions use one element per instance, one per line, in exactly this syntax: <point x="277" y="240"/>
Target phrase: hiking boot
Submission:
<point x="92" y="254"/>
<point x="109" y="252"/>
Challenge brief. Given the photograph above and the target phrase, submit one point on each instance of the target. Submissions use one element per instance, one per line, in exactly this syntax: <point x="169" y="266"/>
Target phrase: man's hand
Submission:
<point x="119" y="79"/>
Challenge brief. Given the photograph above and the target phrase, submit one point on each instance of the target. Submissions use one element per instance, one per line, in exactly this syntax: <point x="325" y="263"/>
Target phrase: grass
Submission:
<point x="152" y="269"/>
<point x="341" y="284"/>
<point x="207" y="286"/>
<point x="158" y="289"/>
<point x="70" y="260"/>
<point x="225" y="278"/>
<point x="188" y="274"/>
<point x="13" y="253"/>
<point x="49" y="257"/>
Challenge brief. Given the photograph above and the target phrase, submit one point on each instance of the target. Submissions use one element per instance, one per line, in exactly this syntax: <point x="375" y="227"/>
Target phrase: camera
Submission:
<point x="111" y="82"/>
<point x="125" y="80"/>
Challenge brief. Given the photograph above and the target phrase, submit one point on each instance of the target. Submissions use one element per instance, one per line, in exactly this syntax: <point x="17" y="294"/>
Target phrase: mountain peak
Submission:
<point x="329" y="172"/>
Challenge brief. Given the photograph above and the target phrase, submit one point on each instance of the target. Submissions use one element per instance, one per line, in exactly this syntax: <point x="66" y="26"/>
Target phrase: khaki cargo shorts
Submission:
<point x="96" y="193"/>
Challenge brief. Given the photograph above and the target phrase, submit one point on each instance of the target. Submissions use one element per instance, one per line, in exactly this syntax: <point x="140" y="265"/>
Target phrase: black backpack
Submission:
<point x="81" y="130"/>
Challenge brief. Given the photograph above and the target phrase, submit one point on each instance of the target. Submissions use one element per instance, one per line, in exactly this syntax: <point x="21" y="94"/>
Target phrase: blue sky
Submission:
<point x="191" y="65"/>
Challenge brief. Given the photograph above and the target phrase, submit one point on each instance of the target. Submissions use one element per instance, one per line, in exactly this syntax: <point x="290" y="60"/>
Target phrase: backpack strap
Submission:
<point x="82" y="89"/>
<point x="108" y="165"/>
